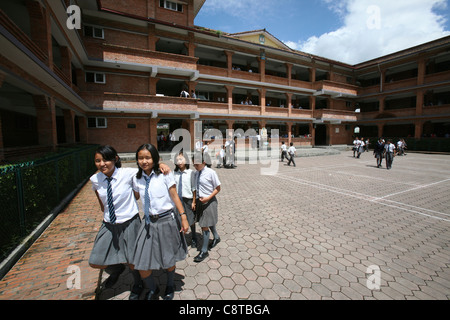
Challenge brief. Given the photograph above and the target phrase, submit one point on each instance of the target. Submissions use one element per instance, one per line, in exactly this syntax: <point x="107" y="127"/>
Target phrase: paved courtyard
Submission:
<point x="333" y="227"/>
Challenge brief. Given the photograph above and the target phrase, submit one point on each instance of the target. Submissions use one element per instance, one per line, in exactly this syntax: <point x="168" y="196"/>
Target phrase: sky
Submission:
<point x="350" y="31"/>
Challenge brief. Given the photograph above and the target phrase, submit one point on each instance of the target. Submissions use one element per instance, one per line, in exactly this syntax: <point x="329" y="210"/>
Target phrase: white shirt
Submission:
<point x="389" y="147"/>
<point x="283" y="147"/>
<point x="207" y="183"/>
<point x="292" y="150"/>
<point x="188" y="182"/>
<point x="125" y="204"/>
<point x="160" y="200"/>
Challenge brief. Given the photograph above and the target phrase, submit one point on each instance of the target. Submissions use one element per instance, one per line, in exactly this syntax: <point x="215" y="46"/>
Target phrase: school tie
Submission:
<point x="147" y="200"/>
<point x="112" y="210"/>
<point x="180" y="186"/>
<point x="198" y="184"/>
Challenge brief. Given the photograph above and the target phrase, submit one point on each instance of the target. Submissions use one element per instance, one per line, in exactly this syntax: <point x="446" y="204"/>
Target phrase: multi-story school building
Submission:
<point x="113" y="72"/>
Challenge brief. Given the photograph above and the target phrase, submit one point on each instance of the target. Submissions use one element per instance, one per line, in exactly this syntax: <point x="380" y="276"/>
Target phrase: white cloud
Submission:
<point x="375" y="28"/>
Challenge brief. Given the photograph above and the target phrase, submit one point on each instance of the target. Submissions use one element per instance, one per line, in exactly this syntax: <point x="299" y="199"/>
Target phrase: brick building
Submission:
<point x="117" y="80"/>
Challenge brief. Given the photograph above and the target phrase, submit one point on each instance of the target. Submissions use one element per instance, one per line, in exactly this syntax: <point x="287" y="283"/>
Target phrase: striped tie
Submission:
<point x="198" y="184"/>
<point x="112" y="210"/>
<point x="147" y="200"/>
<point x="180" y="186"/>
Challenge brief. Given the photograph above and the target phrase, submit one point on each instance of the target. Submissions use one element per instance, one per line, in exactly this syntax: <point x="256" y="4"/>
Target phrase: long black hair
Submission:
<point x="109" y="154"/>
<point x="181" y="153"/>
<point x="155" y="156"/>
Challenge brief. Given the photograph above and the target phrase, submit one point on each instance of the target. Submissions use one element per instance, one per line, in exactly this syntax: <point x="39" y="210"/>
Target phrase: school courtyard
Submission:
<point x="333" y="227"/>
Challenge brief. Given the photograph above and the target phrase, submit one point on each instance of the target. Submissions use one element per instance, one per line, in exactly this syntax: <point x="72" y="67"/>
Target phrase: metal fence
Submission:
<point x="30" y="191"/>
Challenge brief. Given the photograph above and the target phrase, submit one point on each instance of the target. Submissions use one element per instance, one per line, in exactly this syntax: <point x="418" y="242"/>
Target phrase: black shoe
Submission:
<point x="214" y="243"/>
<point x="168" y="295"/>
<point x="116" y="271"/>
<point x="201" y="256"/>
<point x="136" y="291"/>
<point x="152" y="295"/>
<point x="194" y="243"/>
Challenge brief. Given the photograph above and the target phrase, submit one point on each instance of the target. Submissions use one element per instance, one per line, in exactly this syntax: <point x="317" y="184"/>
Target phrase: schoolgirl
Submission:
<point x="160" y="242"/>
<point x="113" y="245"/>
<point x="207" y="186"/>
<point x="184" y="177"/>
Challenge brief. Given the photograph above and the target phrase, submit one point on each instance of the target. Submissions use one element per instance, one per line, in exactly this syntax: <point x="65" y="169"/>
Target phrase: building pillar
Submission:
<point x="262" y="69"/>
<point x="312" y="74"/>
<point x="229" y="55"/>
<point x="312" y="103"/>
<point x="69" y="124"/>
<point x="41" y="29"/>
<point x="46" y="121"/>
<point x="191" y="86"/>
<point x="152" y="38"/>
<point x="289" y="72"/>
<point x="418" y="129"/>
<point x="152" y="85"/>
<point x="419" y="102"/>
<point x="421" y="70"/>
<point x="66" y="63"/>
<point x="82" y="126"/>
<point x="289" y="103"/>
<point x="230" y="98"/>
<point x="289" y="132"/>
<point x="312" y="131"/>
<point x="153" y="131"/>
<point x="380" y="129"/>
<point x="381" y="104"/>
<point x="262" y="100"/>
<point x="331" y="133"/>
<point x="190" y="45"/>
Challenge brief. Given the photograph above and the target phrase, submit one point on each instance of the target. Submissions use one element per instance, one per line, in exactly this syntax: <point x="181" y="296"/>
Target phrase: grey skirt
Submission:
<point x="207" y="214"/>
<point x="187" y="205"/>
<point x="114" y="243"/>
<point x="160" y="244"/>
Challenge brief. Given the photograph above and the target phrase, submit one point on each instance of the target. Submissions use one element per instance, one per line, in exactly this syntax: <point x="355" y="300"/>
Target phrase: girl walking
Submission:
<point x="160" y="241"/>
<point x="184" y="177"/>
<point x="113" y="246"/>
<point x="207" y="186"/>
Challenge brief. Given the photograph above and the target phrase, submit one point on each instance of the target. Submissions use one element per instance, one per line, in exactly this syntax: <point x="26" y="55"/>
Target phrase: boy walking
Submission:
<point x="292" y="152"/>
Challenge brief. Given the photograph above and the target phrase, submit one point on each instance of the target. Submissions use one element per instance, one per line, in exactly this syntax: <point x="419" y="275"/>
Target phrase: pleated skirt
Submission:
<point x="207" y="214"/>
<point x="160" y="244"/>
<point x="114" y="243"/>
<point x="187" y="205"/>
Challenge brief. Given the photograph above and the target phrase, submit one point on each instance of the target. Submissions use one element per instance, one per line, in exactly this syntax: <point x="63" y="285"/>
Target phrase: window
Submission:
<point x="95" y="77"/>
<point x="97" y="122"/>
<point x="171" y="5"/>
<point x="90" y="31"/>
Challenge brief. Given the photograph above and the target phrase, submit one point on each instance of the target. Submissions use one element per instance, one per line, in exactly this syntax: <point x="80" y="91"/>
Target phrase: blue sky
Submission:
<point x="350" y="31"/>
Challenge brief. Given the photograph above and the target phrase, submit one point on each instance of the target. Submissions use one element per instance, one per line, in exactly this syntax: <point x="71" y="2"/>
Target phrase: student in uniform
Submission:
<point x="184" y="178"/>
<point x="283" y="152"/>
<point x="207" y="186"/>
<point x="113" y="245"/>
<point x="378" y="151"/>
<point x="291" y="151"/>
<point x="160" y="242"/>
<point x="389" y="149"/>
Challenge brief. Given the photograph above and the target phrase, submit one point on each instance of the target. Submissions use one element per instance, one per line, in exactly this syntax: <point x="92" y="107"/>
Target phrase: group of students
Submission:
<point x="172" y="203"/>
<point x="387" y="150"/>
<point x="359" y="146"/>
<point x="291" y="152"/>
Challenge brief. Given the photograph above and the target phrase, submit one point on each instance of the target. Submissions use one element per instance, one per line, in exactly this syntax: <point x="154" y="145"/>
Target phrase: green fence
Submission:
<point x="30" y="191"/>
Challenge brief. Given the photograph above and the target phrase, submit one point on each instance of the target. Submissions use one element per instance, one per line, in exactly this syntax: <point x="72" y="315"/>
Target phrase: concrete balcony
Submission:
<point x="335" y="115"/>
<point x="139" y="103"/>
<point x="157" y="62"/>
